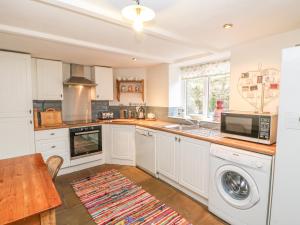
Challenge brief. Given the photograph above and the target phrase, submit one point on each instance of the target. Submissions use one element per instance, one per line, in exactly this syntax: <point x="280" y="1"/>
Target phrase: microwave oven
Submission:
<point x="255" y="127"/>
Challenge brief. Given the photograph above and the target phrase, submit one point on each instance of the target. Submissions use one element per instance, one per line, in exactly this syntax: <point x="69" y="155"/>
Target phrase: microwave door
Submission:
<point x="241" y="125"/>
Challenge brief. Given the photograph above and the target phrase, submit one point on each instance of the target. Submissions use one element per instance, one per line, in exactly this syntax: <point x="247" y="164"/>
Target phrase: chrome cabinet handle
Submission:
<point x="176" y="139"/>
<point x="53" y="146"/>
<point x="61" y="95"/>
<point x="52" y="134"/>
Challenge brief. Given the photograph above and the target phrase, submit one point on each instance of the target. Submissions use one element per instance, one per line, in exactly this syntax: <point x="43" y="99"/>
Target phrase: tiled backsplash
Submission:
<point x="99" y="106"/>
<point x="43" y="105"/>
<point x="162" y="113"/>
<point x="103" y="106"/>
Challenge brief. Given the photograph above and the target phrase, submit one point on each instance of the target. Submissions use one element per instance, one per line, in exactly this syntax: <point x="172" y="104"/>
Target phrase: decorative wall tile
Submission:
<point x="43" y="105"/>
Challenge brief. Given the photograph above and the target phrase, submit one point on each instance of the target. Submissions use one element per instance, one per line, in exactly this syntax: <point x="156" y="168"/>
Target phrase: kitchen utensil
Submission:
<point x="141" y="113"/>
<point x="51" y="117"/>
<point x="35" y="118"/>
<point x="150" y="116"/>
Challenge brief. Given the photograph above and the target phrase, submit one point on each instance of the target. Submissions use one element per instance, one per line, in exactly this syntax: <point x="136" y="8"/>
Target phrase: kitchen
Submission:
<point x="189" y="125"/>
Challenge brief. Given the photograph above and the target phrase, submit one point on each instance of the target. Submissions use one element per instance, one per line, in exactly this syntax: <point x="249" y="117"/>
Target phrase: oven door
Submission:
<point x="242" y="125"/>
<point x="85" y="143"/>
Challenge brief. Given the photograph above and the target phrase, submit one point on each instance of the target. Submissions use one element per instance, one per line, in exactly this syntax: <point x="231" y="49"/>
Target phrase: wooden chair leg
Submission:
<point x="48" y="218"/>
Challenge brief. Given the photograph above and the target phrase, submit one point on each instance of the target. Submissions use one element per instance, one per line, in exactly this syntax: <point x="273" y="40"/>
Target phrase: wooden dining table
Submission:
<point x="27" y="193"/>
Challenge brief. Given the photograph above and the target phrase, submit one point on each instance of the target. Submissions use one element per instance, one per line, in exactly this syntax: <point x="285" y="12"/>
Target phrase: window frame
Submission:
<point x="206" y="96"/>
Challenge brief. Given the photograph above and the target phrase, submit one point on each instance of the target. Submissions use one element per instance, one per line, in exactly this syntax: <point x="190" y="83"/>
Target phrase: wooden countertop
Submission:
<point x="26" y="188"/>
<point x="159" y="125"/>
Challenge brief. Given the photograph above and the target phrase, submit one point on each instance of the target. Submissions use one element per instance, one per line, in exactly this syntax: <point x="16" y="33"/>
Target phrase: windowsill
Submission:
<point x="207" y="119"/>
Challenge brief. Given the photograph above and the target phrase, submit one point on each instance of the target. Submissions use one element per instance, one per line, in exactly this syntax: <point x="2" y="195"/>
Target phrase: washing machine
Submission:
<point x="239" y="187"/>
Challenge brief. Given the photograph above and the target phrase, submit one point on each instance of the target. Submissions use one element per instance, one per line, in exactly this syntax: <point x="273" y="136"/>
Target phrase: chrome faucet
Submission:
<point x="192" y="122"/>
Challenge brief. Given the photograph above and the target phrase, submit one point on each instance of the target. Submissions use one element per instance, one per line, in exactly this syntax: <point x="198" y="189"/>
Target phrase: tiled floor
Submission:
<point x="72" y="212"/>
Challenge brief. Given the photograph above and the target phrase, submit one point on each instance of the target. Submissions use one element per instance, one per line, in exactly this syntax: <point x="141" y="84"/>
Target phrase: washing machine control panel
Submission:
<point x="238" y="157"/>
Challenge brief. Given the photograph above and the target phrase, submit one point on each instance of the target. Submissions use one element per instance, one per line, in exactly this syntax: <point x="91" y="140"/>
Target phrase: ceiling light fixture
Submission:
<point x="133" y="59"/>
<point x="138" y="14"/>
<point x="227" y="25"/>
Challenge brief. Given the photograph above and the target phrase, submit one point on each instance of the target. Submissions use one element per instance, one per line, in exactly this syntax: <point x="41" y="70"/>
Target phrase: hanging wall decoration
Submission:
<point x="259" y="87"/>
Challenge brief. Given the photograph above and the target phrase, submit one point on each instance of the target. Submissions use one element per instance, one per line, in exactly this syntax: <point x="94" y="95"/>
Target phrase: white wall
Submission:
<point x="127" y="98"/>
<point x="158" y="85"/>
<point x="286" y="195"/>
<point x="245" y="57"/>
<point x="248" y="56"/>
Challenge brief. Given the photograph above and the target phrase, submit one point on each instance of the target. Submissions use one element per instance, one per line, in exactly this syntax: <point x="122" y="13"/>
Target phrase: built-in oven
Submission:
<point x="255" y="127"/>
<point x="85" y="141"/>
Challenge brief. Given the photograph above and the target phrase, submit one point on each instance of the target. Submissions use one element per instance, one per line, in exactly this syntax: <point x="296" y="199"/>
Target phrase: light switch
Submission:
<point x="292" y="120"/>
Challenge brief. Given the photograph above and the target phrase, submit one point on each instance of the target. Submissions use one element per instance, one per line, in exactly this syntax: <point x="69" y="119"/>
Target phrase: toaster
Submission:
<point x="105" y="115"/>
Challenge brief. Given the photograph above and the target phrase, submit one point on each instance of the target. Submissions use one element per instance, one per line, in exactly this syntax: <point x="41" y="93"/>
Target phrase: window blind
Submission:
<point x="206" y="69"/>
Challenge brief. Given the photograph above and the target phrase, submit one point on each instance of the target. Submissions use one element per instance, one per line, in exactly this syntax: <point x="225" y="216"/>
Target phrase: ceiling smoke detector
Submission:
<point x="138" y="14"/>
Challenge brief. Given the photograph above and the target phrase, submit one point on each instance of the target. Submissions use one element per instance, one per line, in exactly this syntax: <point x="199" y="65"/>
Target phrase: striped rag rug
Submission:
<point x="111" y="198"/>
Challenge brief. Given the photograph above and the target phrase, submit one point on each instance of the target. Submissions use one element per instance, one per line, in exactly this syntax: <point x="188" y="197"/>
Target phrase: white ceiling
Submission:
<point x="93" y="31"/>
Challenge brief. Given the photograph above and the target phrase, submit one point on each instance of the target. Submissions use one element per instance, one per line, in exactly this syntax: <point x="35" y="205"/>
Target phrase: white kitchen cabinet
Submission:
<point x="53" y="142"/>
<point x="49" y="77"/>
<point x="17" y="135"/>
<point x="103" y="77"/>
<point x="123" y="144"/>
<point x="184" y="162"/>
<point x="15" y="85"/>
<point x="34" y="79"/>
<point x="194" y="165"/>
<point x="167" y="154"/>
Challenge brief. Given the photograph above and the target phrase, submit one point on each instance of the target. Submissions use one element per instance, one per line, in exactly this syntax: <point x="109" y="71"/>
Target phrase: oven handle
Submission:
<point x="87" y="132"/>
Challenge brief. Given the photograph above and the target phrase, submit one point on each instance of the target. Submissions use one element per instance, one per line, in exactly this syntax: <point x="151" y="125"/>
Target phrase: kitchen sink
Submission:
<point x="181" y="127"/>
<point x="193" y="129"/>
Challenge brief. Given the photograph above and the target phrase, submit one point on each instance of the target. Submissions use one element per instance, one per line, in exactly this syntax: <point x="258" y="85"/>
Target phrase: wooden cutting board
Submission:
<point x="51" y="117"/>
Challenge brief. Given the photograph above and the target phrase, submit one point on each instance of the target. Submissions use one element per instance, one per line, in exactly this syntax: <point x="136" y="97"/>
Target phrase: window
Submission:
<point x="205" y="86"/>
<point x="218" y="91"/>
<point x="194" y="96"/>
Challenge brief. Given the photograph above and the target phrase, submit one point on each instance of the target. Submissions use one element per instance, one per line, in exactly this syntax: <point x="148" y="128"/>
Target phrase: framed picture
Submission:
<point x="245" y="75"/>
<point x="259" y="79"/>
<point x="253" y="88"/>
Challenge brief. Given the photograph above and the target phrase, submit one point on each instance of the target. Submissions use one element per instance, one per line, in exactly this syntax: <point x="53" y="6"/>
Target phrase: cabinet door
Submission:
<point x="122" y="142"/>
<point x="52" y="147"/>
<point x="166" y="150"/>
<point x="194" y="165"/>
<point x="49" y="79"/>
<point x="104" y="79"/>
<point x="15" y="85"/>
<point x="17" y="137"/>
<point x="34" y="79"/>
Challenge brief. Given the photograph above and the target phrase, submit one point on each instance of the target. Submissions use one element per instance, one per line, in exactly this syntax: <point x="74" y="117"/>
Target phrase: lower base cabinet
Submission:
<point x="184" y="161"/>
<point x="194" y="165"/>
<point x="167" y="154"/>
<point x="17" y="137"/>
<point x="122" y="144"/>
<point x="53" y="142"/>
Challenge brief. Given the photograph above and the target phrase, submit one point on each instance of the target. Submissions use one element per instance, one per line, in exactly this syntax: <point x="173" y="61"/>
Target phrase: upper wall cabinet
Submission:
<point x="47" y="79"/>
<point x="103" y="77"/>
<point x="15" y="85"/>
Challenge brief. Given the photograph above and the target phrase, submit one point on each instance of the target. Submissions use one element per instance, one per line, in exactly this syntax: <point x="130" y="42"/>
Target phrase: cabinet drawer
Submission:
<point x="50" y="134"/>
<point x="51" y="146"/>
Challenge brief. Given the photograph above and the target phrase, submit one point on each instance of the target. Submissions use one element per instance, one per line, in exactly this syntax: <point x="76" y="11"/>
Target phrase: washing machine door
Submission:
<point x="236" y="187"/>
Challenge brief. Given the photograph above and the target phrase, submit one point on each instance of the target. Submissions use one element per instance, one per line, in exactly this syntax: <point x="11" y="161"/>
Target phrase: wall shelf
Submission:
<point x="130" y="87"/>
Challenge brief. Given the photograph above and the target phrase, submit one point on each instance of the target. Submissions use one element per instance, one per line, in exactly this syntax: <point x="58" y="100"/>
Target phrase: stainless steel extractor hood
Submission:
<point x="77" y="77"/>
